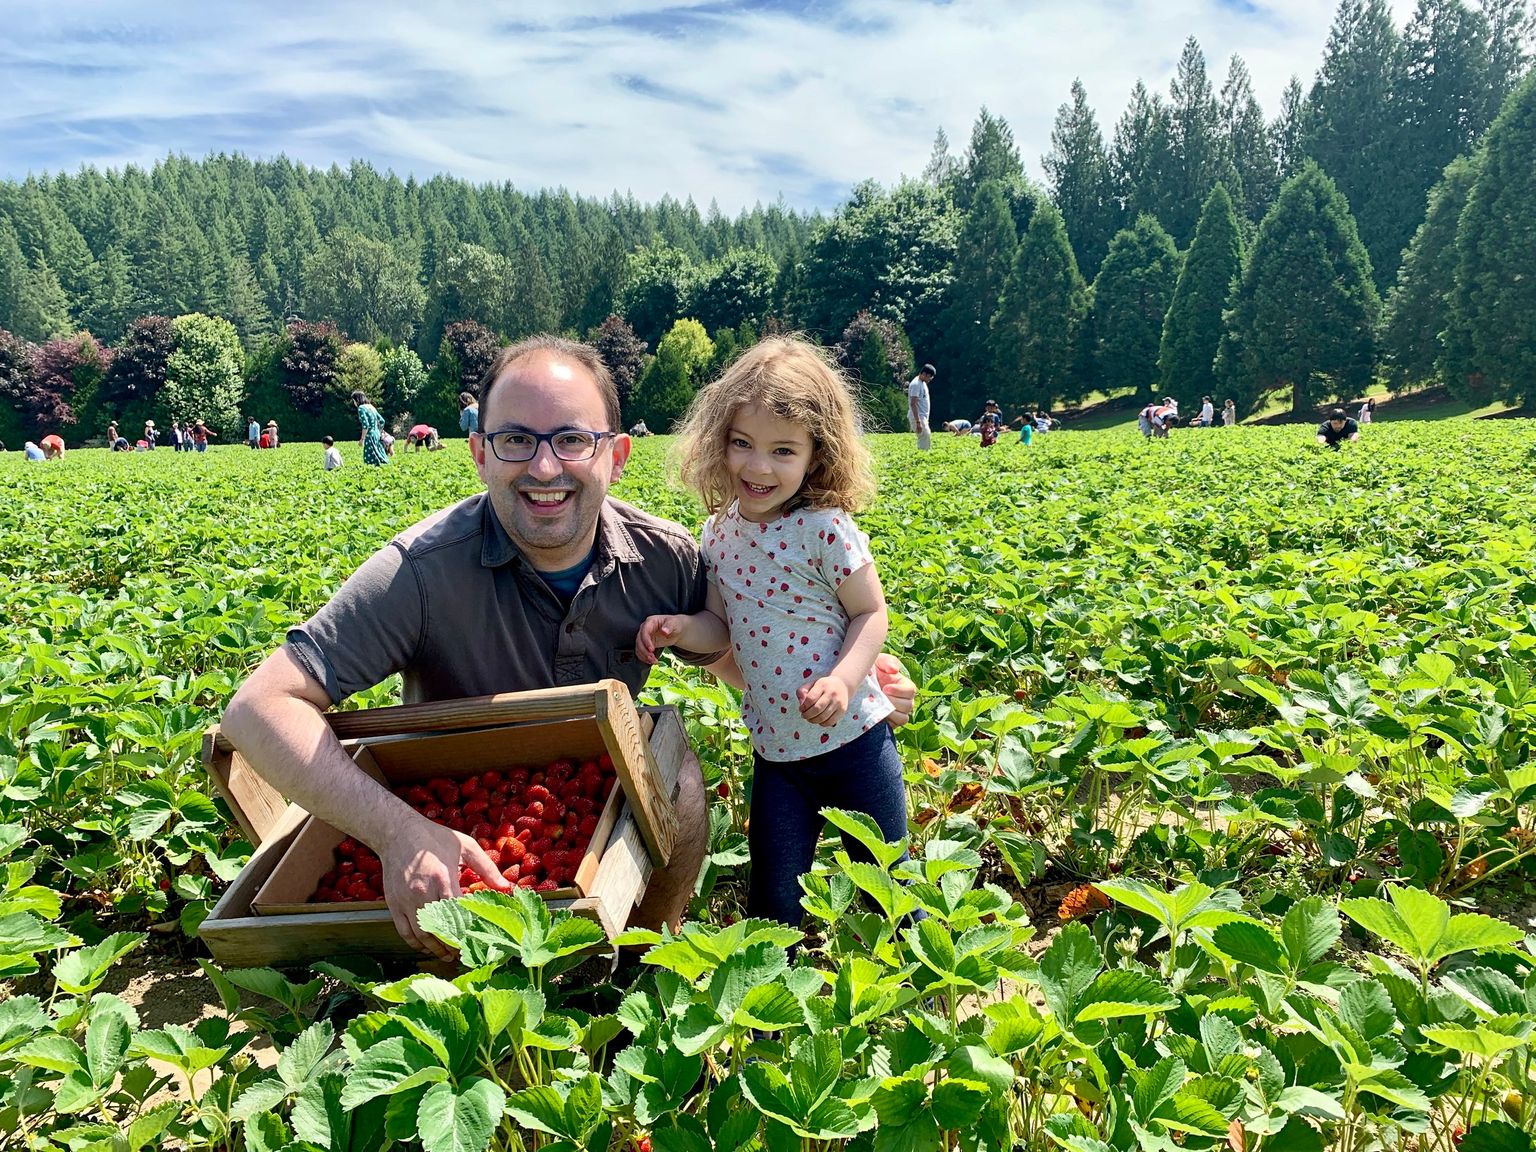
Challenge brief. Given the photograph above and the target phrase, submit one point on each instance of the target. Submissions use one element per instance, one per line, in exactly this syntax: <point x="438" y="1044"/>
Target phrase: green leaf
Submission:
<point x="1309" y="929"/>
<point x="539" y="1108"/>
<point x="1494" y="1136"/>
<point x="298" y="1061"/>
<point x="1250" y="942"/>
<point x="862" y="827"/>
<point x="976" y="1063"/>
<point x="1395" y="1088"/>
<point x="1474" y="932"/>
<point x="82" y="970"/>
<point x="460" y="1119"/>
<point x="1068" y="969"/>
<point x="395" y="1064"/>
<point x="1121" y="992"/>
<point x="1480" y="1041"/>
<point x="1187" y="1113"/>
<point x="1158" y="1085"/>
<point x="769" y="1007"/>
<point x="108" y="1036"/>
<point x="958" y="1103"/>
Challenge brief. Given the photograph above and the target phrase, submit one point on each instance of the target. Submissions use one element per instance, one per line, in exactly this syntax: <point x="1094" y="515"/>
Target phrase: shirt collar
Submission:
<point x="613" y="538"/>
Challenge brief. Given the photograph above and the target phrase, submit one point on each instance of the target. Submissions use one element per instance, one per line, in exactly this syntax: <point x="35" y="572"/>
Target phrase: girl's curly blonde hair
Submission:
<point x="795" y="380"/>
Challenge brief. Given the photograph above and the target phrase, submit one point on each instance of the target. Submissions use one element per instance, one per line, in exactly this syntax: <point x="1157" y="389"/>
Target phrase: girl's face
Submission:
<point x="768" y="458"/>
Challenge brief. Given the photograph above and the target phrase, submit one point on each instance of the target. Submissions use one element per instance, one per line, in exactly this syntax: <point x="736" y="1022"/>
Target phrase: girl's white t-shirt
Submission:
<point x="779" y="584"/>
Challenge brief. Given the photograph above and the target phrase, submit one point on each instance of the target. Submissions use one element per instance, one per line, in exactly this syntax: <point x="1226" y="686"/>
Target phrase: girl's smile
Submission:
<point x="768" y="458"/>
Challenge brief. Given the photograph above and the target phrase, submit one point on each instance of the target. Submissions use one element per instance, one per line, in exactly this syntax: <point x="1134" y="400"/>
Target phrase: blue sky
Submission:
<point x="734" y="101"/>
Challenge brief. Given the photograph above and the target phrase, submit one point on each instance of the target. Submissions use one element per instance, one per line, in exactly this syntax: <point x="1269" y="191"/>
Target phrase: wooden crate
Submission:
<point x="649" y="751"/>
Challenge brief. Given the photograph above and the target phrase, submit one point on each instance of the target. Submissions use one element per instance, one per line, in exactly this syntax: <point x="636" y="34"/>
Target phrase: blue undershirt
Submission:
<point x="565" y="582"/>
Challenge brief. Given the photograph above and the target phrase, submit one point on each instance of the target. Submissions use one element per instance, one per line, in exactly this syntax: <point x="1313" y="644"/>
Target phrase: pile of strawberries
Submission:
<point x="534" y="824"/>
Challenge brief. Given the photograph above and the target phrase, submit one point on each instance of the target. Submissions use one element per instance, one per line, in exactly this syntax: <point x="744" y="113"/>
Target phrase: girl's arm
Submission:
<point x="704" y="631"/>
<point x="825" y="701"/>
<point x="864" y="600"/>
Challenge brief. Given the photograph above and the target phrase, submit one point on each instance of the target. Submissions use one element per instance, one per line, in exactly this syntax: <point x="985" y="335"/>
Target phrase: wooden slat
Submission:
<point x="447" y="715"/>
<point x="650" y="796"/>
<point x="257" y="806"/>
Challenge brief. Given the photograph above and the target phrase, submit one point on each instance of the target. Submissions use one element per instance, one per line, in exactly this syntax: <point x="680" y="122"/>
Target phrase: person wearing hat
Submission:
<point x="271" y="432"/>
<point x="150" y="435"/>
<point x="919" y="405"/>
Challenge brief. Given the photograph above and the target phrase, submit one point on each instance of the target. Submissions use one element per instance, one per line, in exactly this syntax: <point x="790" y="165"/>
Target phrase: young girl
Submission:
<point x="773" y="448"/>
<point x="1229" y="414"/>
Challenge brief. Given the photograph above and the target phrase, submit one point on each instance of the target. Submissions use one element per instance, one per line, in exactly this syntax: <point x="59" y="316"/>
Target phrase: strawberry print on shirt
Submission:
<point x="779" y="584"/>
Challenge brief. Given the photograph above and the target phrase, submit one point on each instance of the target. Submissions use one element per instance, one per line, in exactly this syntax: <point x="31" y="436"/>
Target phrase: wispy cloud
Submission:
<point x="735" y="101"/>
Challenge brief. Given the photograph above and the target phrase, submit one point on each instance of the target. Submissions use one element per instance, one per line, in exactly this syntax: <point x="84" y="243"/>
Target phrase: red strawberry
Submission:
<point x="545" y="886"/>
<point x="512" y="849"/>
<point x="511" y="872"/>
<point x="538" y="792"/>
<point x="531" y="822"/>
<point x="540" y="846"/>
<point x="587" y="826"/>
<point x="530" y="863"/>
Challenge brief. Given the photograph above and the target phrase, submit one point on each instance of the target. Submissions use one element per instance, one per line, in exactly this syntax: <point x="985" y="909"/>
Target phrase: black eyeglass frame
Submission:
<point x="545" y="438"/>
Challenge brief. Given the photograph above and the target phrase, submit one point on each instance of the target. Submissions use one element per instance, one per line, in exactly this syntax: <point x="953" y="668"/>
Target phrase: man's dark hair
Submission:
<point x="1337" y="414"/>
<point x="928" y="370"/>
<point x="583" y="354"/>
<point x="327" y="440"/>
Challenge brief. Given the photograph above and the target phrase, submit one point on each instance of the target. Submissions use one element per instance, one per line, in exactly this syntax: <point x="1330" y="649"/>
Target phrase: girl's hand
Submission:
<point x="657" y="632"/>
<point x="825" y="701"/>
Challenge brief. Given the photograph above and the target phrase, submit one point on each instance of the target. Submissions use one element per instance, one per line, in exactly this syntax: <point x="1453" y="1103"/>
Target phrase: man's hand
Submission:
<point x="824" y="701"/>
<point x="898" y="688"/>
<point x="421" y="866"/>
<point x="658" y="632"/>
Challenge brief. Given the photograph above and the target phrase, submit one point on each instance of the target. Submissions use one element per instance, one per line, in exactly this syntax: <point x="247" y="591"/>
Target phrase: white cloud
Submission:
<point x="714" y="100"/>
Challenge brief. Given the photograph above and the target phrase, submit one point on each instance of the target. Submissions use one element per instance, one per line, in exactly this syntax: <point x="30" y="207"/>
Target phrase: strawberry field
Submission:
<point x="1222" y="822"/>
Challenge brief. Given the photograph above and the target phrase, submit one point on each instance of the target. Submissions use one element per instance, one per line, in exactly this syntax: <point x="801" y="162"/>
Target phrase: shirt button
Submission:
<point x="570" y="627"/>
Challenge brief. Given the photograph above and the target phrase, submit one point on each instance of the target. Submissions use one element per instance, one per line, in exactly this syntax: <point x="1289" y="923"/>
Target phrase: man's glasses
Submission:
<point x="569" y="444"/>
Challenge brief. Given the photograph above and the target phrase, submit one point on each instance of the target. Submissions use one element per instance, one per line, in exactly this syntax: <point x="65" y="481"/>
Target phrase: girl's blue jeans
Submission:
<point x="786" y="821"/>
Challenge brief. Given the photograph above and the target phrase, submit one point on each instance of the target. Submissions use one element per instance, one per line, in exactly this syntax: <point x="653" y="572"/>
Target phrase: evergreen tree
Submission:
<point x="1511" y="27"/>
<point x="1141" y="163"/>
<point x="941" y="169"/>
<point x="1077" y="176"/>
<point x="1352" y="119"/>
<point x="992" y="155"/>
<point x="622" y="351"/>
<point x="43" y="309"/>
<point x="1039" y="318"/>
<point x="1131" y="295"/>
<point x="531" y="306"/>
<point x="983" y="259"/>
<point x="13" y="275"/>
<point x="1248" y="143"/>
<point x="1495" y="297"/>
<point x="682" y="359"/>
<point x="1193" y="328"/>
<point x="1418" y="307"/>
<point x="1287" y="132"/>
<point x="117" y="299"/>
<point x="1198" y="150"/>
<point x="1305" y="313"/>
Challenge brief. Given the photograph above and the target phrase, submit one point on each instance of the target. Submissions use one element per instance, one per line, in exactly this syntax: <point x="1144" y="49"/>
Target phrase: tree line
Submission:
<point x="1203" y="248"/>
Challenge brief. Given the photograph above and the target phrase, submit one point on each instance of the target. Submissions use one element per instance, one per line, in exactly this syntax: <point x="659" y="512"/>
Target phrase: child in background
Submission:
<point x="773" y="449"/>
<point x="332" y="453"/>
<point x="1228" y="414"/>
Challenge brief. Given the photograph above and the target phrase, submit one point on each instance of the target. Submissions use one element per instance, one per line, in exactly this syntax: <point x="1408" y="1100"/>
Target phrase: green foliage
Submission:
<point x="1077" y="172"/>
<point x="1417" y="346"/>
<point x="734" y="290"/>
<point x="203" y="375"/>
<point x="673" y="376"/>
<point x="364" y="286"/>
<point x="1495" y="294"/>
<point x="360" y="368"/>
<point x="1131" y="296"/>
<point x="658" y="288"/>
<point x="1038" y="320"/>
<point x="1306" y="310"/>
<point x="1193" y="328"/>
<point x="402" y="379"/>
<point x="983" y="259"/>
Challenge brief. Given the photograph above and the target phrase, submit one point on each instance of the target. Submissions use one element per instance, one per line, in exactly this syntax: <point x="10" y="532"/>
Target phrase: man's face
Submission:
<point x="1336" y="423"/>
<point x="548" y="506"/>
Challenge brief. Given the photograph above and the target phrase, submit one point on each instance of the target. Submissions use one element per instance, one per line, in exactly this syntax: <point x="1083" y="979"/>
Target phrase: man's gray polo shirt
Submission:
<point x="452" y="604"/>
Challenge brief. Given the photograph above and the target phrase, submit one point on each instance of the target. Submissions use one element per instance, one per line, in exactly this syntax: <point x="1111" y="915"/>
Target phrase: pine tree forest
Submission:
<point x="1166" y="253"/>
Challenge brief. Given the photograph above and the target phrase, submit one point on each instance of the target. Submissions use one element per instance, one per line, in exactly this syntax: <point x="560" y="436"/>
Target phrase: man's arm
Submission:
<point x="276" y="722"/>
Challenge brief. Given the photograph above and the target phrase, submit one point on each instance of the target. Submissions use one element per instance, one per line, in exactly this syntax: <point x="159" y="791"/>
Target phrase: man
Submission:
<point x="918" y="406"/>
<point x="252" y="432"/>
<point x="1155" y="418"/>
<point x="1207" y="412"/>
<point x="541" y="580"/>
<point x="1337" y="429"/>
